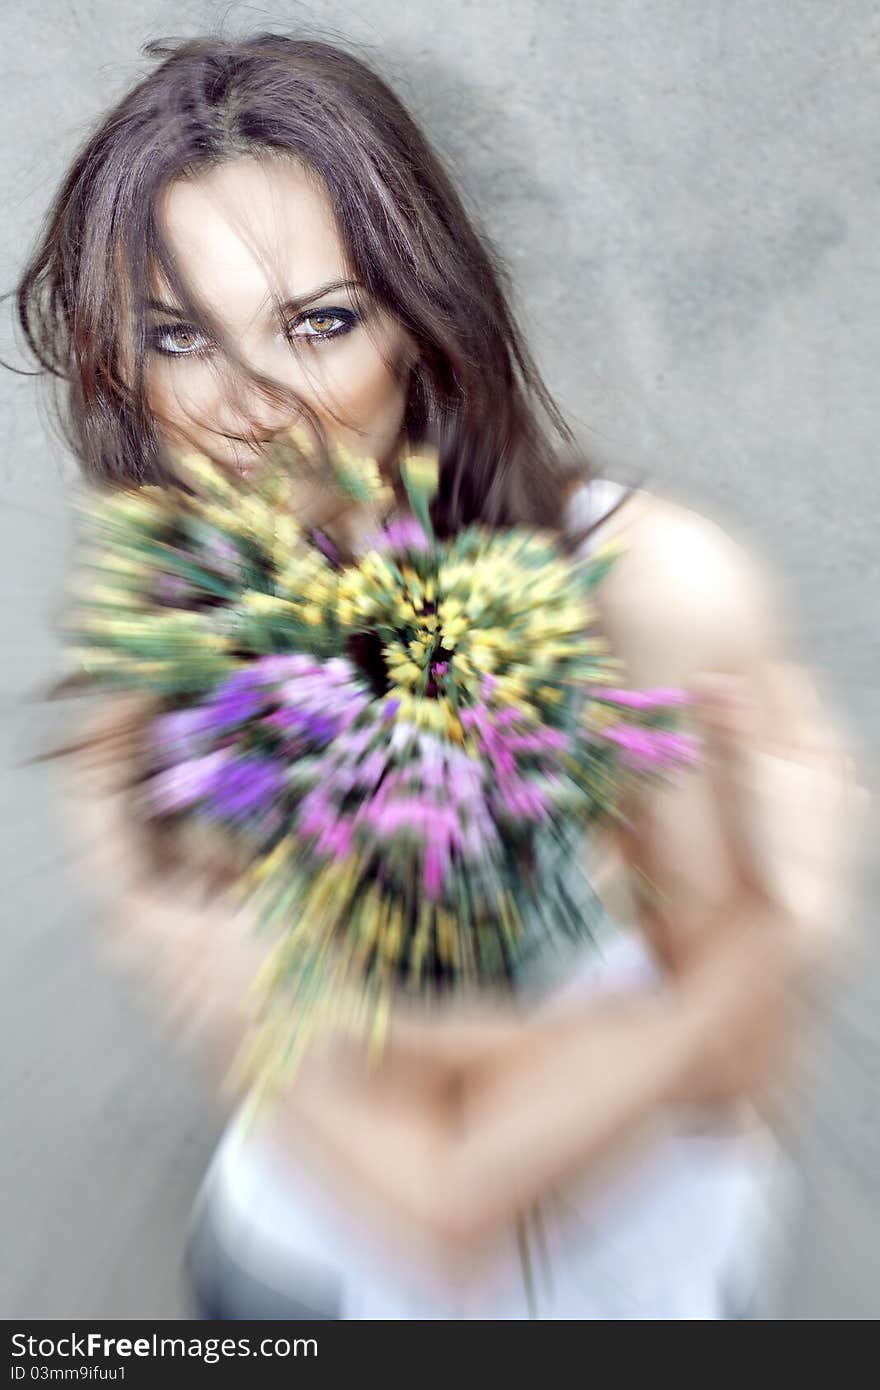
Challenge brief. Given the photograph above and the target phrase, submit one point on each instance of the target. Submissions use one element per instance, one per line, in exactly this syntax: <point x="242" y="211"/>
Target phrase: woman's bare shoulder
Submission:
<point x="685" y="595"/>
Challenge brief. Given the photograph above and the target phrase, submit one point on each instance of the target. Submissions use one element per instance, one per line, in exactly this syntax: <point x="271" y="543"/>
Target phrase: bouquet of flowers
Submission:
<point x="405" y="743"/>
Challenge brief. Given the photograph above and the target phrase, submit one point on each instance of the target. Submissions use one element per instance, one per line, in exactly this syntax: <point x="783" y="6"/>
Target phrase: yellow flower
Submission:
<point x="406" y="672"/>
<point x="301" y="440"/>
<point x="103" y="594"/>
<point x="599" y="716"/>
<point x="370" y="918"/>
<point x="204" y="471"/>
<point x="395" y="654"/>
<point x="454" y="729"/>
<point x="391" y="938"/>
<point x="450" y="609"/>
<point x="510" y="687"/>
<point x="112" y="627"/>
<point x="423" y="469"/>
<point x="271" y="862"/>
<point x="452" y="632"/>
<point x="406" y="703"/>
<point x="137" y="505"/>
<point x="259" y="602"/>
<point x="121" y="564"/>
<point x="287" y="537"/>
<point x="447" y="937"/>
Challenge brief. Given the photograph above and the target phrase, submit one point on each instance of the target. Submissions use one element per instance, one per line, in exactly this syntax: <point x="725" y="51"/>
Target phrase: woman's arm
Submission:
<point x="549" y="1097"/>
<point x="573" y="1091"/>
<point x="776" y="808"/>
<point x="557" y="1095"/>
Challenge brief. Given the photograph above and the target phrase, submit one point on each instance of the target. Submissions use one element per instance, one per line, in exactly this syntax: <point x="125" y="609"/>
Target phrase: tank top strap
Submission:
<point x="590" y="503"/>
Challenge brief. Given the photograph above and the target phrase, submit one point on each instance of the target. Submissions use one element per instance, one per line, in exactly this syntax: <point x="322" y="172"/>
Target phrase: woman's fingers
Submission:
<point x="779" y="706"/>
<point x="788" y="787"/>
<point x="792" y="714"/>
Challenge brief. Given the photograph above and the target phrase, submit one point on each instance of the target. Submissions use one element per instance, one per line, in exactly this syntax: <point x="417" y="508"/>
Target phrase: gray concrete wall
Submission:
<point x="687" y="194"/>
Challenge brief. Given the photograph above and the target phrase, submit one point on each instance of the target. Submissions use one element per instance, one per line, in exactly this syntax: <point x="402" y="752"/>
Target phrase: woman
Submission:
<point x="259" y="233"/>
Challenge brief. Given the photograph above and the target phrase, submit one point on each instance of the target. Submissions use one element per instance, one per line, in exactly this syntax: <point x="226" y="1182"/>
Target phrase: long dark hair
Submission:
<point x="474" y="391"/>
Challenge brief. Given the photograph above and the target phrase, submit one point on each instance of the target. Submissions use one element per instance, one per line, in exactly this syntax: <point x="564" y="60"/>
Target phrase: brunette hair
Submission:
<point x="475" y="390"/>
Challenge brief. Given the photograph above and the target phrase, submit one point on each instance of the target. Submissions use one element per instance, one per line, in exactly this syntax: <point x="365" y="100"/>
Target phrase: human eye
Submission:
<point x="345" y="321"/>
<point x="177" y="340"/>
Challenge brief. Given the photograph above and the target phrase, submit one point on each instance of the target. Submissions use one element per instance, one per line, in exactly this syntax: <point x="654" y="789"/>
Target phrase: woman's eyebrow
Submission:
<point x="290" y="306"/>
<point x="293" y="306"/>
<point x="162" y="308"/>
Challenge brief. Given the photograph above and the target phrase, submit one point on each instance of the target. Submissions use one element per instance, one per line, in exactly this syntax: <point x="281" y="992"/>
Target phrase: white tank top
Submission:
<point x="678" y="1228"/>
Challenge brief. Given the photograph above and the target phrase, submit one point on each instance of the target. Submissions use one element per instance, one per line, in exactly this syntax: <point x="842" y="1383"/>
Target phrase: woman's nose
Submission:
<point x="260" y="414"/>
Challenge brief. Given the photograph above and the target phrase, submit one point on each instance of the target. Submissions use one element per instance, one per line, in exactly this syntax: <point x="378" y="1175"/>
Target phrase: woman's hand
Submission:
<point x="170" y="911"/>
<point x="788" y="791"/>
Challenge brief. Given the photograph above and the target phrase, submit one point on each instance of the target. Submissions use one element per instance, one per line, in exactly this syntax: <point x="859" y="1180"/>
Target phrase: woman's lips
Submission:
<point x="246" y="466"/>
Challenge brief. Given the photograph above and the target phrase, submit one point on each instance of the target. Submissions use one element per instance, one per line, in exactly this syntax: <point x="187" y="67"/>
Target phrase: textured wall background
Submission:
<point x="688" y="196"/>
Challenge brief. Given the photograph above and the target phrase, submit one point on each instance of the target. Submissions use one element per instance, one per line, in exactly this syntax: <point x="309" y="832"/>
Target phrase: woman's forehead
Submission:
<point x="249" y="232"/>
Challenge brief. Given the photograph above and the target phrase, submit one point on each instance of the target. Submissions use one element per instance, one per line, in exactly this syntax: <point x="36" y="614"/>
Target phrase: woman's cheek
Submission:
<point x="183" y="396"/>
<point x="360" y="385"/>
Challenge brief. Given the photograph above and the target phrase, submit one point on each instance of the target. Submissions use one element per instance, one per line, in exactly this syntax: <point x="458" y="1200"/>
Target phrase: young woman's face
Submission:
<point x="244" y="234"/>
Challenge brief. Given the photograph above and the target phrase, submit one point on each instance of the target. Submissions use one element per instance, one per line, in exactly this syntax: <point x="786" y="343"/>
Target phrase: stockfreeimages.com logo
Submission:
<point x="208" y="1349"/>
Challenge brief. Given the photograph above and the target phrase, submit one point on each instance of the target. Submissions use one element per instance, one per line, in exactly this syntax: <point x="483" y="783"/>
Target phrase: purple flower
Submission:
<point x="283" y="665"/>
<point x="223" y="556"/>
<point x="173" y="588"/>
<point x="187" y="782"/>
<point x="235" y="707"/>
<point x="238" y="698"/>
<point x="652" y="747"/>
<point x="433" y="877"/>
<point x="652" y="698"/>
<point x="180" y="733"/>
<point x="312" y="727"/>
<point x="538" y="741"/>
<point x="336" y="838"/>
<point x="405" y="534"/>
<point x="525" y="800"/>
<point x="326" y="546"/>
<point x="245" y="786"/>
